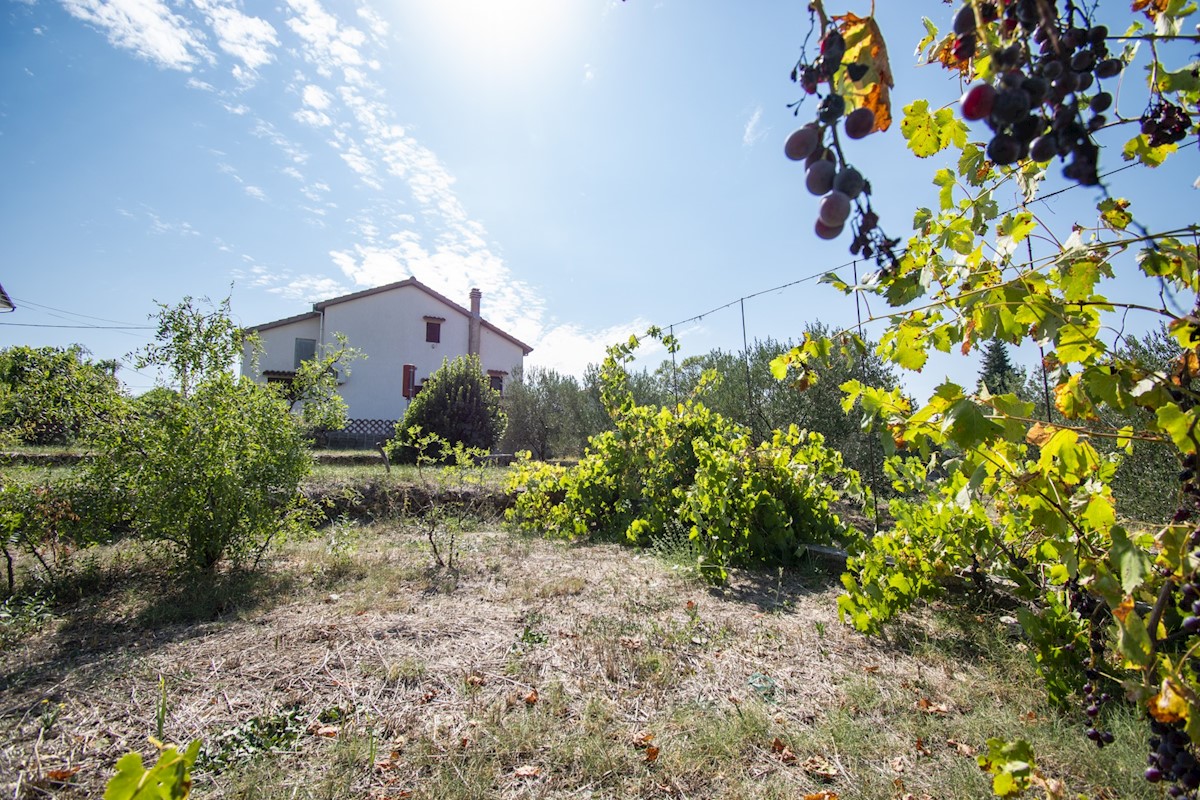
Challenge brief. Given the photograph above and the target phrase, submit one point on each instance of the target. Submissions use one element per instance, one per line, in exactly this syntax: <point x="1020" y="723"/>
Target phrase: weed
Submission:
<point x="251" y="739"/>
<point x="22" y="615"/>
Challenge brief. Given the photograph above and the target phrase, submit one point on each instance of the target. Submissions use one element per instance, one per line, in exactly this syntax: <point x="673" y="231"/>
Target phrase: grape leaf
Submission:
<point x="1113" y="213"/>
<point x="865" y="46"/>
<point x="1139" y="147"/>
<point x="928" y="134"/>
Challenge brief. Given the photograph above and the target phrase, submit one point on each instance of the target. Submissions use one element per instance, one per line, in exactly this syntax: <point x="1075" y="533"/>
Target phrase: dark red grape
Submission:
<point x="964" y="20"/>
<point x="803" y="141"/>
<point x="1109" y="68"/>
<point x="819" y="178"/>
<point x="860" y="122"/>
<point x="977" y="102"/>
<point x="834" y="209"/>
<point x="826" y="232"/>
<point x="1003" y="149"/>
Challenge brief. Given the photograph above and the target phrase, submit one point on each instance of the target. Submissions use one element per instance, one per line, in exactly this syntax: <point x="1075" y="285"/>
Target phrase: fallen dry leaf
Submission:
<point x="783" y="751"/>
<point x="691" y="605"/>
<point x="531" y="698"/>
<point x="474" y="679"/>
<point x="899" y="764"/>
<point x="921" y="748"/>
<point x="60" y="775"/>
<point x="871" y="668"/>
<point x="642" y="739"/>
<point x="527" y="771"/>
<point x="821" y="796"/>
<point x="328" y="731"/>
<point x="819" y="767"/>
<point x="929" y="707"/>
<point x="651" y="754"/>
<point x="962" y="748"/>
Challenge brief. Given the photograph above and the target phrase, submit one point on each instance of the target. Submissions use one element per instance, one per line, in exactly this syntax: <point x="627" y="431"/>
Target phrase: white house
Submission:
<point x="405" y="329"/>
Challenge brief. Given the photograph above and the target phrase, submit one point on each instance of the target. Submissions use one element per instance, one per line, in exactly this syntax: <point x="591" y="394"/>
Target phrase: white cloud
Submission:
<point x="256" y="193"/>
<point x="265" y="130"/>
<point x="328" y="44"/>
<point x="314" y="118"/>
<point x="752" y="134"/>
<point x="148" y="28"/>
<point x="315" y="97"/>
<point x="589" y="74"/>
<point x="238" y="110"/>
<point x="569" y="348"/>
<point x="203" y="86"/>
<point x="376" y="24"/>
<point x="247" y="38"/>
<point x="292" y="172"/>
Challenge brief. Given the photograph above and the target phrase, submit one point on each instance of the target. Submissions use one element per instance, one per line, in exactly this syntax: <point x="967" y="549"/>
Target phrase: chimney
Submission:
<point x="474" y="324"/>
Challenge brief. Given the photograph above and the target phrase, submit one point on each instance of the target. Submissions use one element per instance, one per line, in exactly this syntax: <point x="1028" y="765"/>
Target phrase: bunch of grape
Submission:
<point x="1172" y="757"/>
<point x="1097" y="616"/>
<point x="1045" y="65"/>
<point x="841" y="187"/>
<point x="1165" y="123"/>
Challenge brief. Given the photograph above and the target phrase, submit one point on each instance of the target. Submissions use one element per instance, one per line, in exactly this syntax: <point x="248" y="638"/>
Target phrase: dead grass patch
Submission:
<point x="535" y="670"/>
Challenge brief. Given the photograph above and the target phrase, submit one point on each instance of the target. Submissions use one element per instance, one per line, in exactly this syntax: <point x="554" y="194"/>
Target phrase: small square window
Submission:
<point x="433" y="331"/>
<point x="497" y="383"/>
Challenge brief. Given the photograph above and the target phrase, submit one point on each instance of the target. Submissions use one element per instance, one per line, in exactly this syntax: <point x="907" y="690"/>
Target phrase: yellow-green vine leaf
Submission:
<point x="1139" y="147"/>
<point x="930" y="133"/>
<point x="1113" y="213"/>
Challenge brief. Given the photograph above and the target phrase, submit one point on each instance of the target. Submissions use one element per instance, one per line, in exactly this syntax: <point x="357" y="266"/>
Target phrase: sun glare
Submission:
<point x="501" y="35"/>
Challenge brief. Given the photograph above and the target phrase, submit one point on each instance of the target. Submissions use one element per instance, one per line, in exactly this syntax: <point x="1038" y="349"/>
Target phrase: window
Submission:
<point x="306" y="350"/>
<point x="433" y="329"/>
<point x="497" y="382"/>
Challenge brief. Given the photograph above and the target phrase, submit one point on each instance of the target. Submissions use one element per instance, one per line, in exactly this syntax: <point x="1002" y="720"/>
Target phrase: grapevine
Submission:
<point x="1022" y="497"/>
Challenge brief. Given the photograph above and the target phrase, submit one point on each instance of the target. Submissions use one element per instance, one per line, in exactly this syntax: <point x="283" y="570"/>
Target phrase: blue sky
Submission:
<point x="593" y="166"/>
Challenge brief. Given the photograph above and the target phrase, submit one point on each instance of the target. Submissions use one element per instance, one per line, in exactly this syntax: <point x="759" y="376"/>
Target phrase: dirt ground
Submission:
<point x="420" y="668"/>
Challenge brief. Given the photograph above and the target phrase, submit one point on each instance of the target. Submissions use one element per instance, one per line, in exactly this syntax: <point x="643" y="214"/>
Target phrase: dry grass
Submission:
<point x="350" y="669"/>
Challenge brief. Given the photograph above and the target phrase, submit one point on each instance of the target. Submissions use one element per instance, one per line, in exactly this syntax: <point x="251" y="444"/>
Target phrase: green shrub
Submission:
<point x="665" y="467"/>
<point x="457" y="405"/>
<point x="215" y="474"/>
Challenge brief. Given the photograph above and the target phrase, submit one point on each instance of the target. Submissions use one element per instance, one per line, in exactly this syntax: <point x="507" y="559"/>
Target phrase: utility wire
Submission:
<point x="85" y="327"/>
<point x="853" y="263"/>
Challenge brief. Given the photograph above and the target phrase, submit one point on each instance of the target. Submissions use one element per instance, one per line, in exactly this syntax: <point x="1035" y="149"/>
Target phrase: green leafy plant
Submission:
<point x="1015" y="502"/>
<point x="458" y="406"/>
<point x="52" y="395"/>
<point x="214" y="470"/>
<point x="169" y="778"/>
<point x="664" y="467"/>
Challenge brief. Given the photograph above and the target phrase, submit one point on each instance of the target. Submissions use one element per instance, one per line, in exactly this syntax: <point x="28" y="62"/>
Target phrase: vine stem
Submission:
<point x="1160" y="606"/>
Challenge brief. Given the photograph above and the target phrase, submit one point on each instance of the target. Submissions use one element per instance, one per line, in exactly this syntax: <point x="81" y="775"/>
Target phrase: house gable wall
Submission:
<point x="278" y="346"/>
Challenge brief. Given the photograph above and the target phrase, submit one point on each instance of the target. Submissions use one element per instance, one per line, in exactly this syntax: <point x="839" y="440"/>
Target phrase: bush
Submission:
<point x="215" y="474"/>
<point x="213" y="469"/>
<point x="456" y="405"/>
<point x="666" y="467"/>
<point x="50" y="395"/>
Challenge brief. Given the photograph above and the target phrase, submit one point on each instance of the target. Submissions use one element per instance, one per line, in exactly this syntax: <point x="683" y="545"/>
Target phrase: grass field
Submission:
<point x="351" y="667"/>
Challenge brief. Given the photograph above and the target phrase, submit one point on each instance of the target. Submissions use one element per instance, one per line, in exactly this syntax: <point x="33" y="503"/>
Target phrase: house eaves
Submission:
<point x="6" y="303"/>
<point x="279" y="323"/>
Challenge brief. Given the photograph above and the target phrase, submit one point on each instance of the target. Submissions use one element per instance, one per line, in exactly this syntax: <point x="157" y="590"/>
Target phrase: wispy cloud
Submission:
<point x="753" y="133"/>
<point x="148" y="28"/>
<point x="256" y="192"/>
